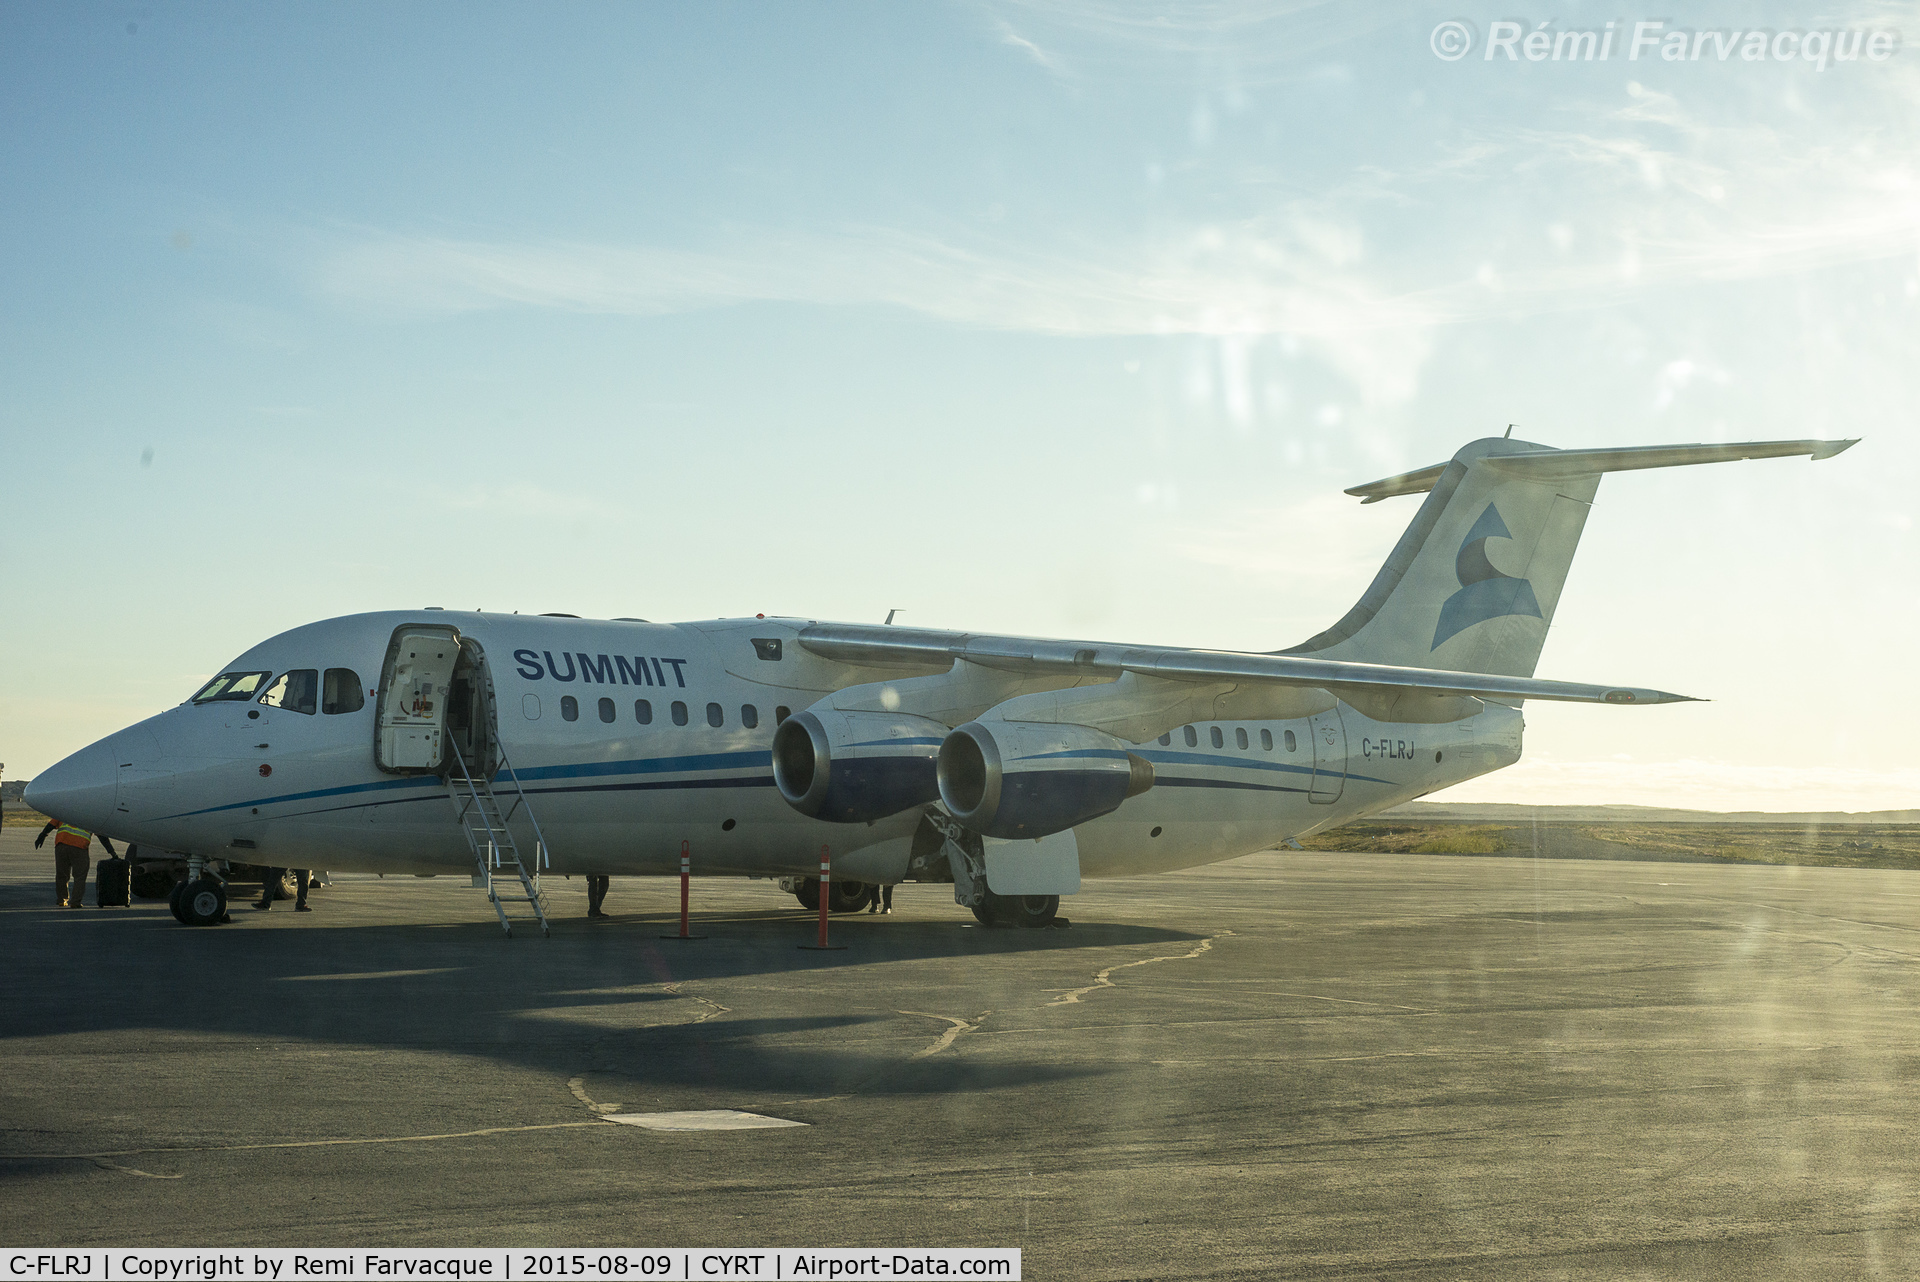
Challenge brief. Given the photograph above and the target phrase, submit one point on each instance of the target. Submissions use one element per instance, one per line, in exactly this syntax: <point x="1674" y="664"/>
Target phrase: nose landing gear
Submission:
<point x="842" y="896"/>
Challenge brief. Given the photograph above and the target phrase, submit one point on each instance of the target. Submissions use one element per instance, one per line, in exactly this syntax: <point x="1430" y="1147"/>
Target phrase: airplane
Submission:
<point x="507" y="745"/>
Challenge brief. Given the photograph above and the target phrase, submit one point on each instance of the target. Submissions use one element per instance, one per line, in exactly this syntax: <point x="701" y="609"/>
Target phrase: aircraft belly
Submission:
<point x="766" y="840"/>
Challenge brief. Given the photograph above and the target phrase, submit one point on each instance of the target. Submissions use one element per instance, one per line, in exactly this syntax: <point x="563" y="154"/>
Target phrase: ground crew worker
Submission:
<point x="597" y="884"/>
<point x="70" y="859"/>
<point x="271" y="887"/>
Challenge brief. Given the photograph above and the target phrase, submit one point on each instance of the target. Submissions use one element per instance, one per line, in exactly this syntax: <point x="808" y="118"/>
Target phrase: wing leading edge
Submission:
<point x="881" y="645"/>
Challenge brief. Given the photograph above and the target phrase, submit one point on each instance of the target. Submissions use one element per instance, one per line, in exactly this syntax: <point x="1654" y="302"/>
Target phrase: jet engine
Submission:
<point x="855" y="767"/>
<point x="1015" y="779"/>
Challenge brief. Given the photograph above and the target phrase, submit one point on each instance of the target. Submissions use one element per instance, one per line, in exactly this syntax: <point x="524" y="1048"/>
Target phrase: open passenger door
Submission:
<point x="415" y="694"/>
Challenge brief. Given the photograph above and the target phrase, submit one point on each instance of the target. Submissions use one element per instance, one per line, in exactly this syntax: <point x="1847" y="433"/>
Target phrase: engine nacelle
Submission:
<point x="855" y="767"/>
<point x="1015" y="779"/>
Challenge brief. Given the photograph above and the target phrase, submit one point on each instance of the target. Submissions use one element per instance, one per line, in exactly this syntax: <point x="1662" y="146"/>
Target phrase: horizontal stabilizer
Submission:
<point x="878" y="644"/>
<point x="1553" y="465"/>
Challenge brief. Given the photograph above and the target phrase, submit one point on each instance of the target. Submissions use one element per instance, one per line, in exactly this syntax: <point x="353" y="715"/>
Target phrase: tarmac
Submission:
<point x="1289" y="1065"/>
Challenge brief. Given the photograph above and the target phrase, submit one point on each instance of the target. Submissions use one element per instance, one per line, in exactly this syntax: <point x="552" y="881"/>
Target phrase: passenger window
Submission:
<point x="569" y="708"/>
<point x="1290" y="744"/>
<point x="1240" y="736"/>
<point x="1266" y="741"/>
<point x="1213" y="733"/>
<point x="1166" y="739"/>
<point x="749" y="716"/>
<point x="606" y="711"/>
<point x="715" y="717"/>
<point x="340" y="692"/>
<point x="296" y="691"/>
<point x="643" y="712"/>
<point x="679" y="713"/>
<point x="781" y="713"/>
<point x="1193" y="739"/>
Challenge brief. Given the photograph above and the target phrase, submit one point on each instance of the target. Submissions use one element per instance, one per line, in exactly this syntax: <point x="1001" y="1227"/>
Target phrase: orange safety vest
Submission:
<point x="72" y="836"/>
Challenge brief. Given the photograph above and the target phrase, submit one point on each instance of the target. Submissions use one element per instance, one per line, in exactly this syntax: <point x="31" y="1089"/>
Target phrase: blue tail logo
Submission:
<point x="1484" y="593"/>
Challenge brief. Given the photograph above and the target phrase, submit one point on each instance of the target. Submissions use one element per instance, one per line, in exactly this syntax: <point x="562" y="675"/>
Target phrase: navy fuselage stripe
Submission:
<point x="379" y="785"/>
<point x="650" y="786"/>
<point x="651" y="765"/>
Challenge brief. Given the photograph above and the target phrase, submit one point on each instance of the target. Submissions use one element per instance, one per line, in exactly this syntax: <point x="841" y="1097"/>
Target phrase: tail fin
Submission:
<point x="1473" y="583"/>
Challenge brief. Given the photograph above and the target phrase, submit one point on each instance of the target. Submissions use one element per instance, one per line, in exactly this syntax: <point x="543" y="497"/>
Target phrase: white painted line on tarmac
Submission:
<point x="705" y="1119"/>
<point x="95" y="1158"/>
<point x="372" y="974"/>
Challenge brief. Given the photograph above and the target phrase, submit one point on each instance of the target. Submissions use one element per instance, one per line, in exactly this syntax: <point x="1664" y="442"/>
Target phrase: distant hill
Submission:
<point x="1486" y="812"/>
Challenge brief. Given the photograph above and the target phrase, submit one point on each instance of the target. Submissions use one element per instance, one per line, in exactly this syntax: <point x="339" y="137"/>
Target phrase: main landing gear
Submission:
<point x="201" y="901"/>
<point x="966" y="860"/>
<point x="1016" y="910"/>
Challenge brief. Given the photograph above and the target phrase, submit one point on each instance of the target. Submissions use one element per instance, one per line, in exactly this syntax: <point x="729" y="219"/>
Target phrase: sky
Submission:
<point x="1062" y="318"/>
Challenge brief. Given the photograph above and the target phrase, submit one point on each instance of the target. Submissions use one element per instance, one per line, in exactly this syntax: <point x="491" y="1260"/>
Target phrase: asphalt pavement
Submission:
<point x="1290" y="1065"/>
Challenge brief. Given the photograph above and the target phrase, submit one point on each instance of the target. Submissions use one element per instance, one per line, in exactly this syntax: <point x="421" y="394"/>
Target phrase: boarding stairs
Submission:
<point x="498" y="863"/>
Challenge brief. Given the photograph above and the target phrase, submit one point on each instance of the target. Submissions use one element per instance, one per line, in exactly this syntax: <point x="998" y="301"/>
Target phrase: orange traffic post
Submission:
<point x="826" y="894"/>
<point x="686" y="876"/>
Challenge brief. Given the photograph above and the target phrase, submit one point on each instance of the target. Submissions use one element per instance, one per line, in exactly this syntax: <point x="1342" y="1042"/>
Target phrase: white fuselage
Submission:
<point x="268" y="785"/>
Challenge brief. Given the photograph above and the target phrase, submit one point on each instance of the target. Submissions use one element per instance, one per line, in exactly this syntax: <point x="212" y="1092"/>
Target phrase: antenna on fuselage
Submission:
<point x="1509" y="435"/>
<point x="890" y="614"/>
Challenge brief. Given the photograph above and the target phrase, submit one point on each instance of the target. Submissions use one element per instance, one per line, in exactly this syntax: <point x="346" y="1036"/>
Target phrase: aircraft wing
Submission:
<point x="879" y="644"/>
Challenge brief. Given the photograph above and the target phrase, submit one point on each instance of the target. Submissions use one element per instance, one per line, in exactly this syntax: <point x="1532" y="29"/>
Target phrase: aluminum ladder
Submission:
<point x="496" y="855"/>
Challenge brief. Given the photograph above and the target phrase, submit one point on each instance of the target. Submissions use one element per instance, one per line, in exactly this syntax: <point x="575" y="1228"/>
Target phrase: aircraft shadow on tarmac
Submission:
<point x="590" y="997"/>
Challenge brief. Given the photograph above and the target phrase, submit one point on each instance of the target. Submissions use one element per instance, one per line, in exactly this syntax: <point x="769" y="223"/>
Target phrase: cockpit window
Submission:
<point x="296" y="691"/>
<point x="341" y="693"/>
<point x="235" y="686"/>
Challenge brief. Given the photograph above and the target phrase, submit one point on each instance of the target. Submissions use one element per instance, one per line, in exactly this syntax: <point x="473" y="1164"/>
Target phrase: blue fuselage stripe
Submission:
<point x="653" y="765"/>
<point x="751" y="759"/>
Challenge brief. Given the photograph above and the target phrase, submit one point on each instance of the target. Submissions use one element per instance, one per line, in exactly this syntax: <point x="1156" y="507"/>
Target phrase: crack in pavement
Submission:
<point x="578" y="1085"/>
<point x="946" y="1039"/>
<point x="717" y="1008"/>
<point x="1101" y="980"/>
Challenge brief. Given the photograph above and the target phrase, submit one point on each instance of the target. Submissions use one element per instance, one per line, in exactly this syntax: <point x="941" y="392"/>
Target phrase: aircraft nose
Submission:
<point x="79" y="790"/>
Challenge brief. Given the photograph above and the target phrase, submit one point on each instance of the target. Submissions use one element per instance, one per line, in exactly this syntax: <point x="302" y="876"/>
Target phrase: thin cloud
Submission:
<point x="1277" y="277"/>
<point x="1248" y="280"/>
<point x="1642" y="195"/>
<point x="1009" y="36"/>
<point x="1255" y="40"/>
